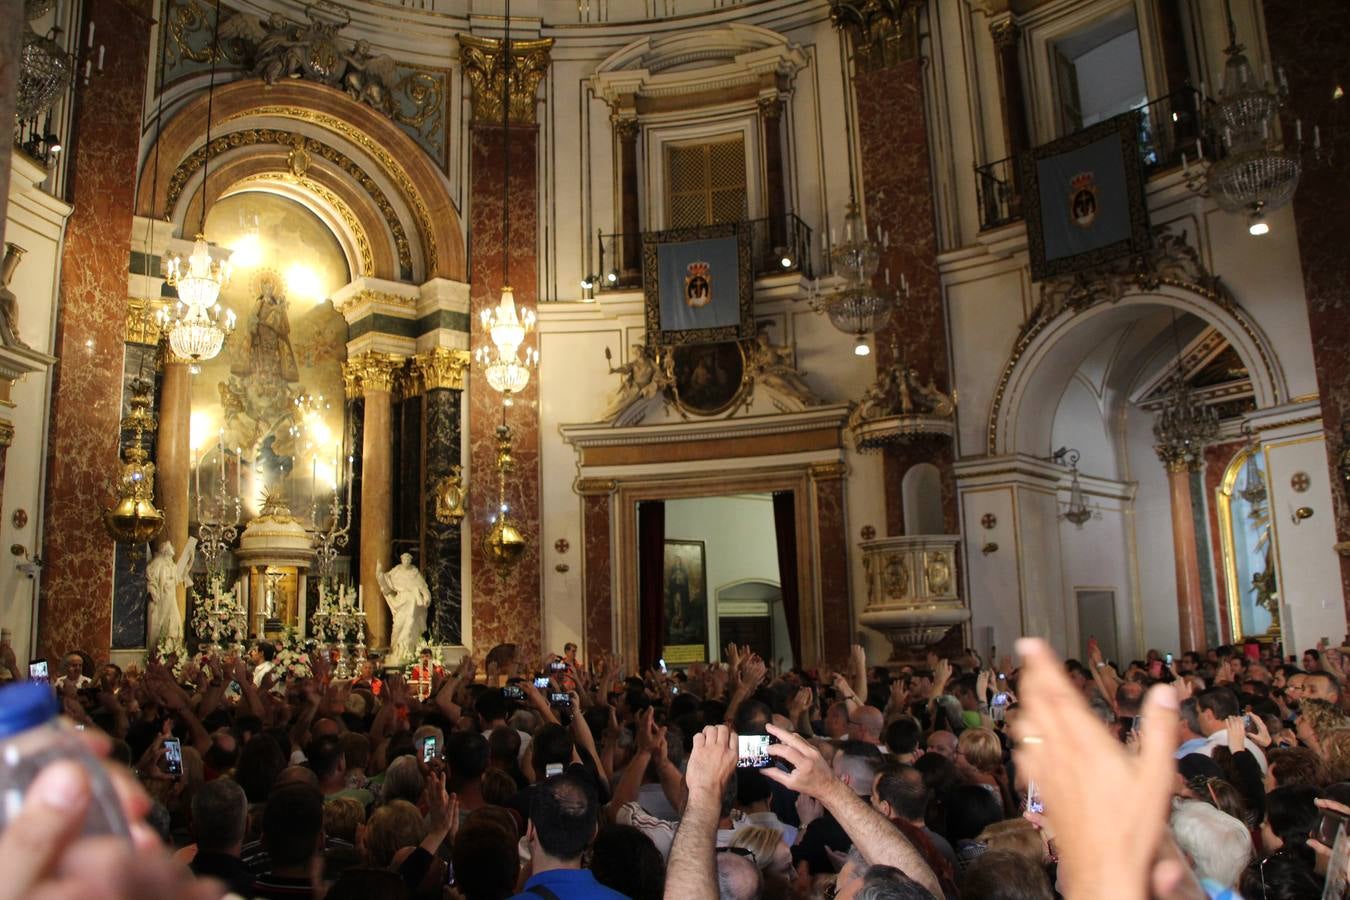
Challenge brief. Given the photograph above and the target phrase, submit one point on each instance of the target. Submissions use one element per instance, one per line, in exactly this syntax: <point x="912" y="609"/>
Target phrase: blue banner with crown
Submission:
<point x="698" y="285"/>
<point x="1084" y="198"/>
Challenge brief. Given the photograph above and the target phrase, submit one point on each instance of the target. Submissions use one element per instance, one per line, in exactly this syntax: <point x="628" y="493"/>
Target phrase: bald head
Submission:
<point x="296" y="775"/>
<point x="856" y="764"/>
<point x="942" y="743"/>
<point x="866" y="724"/>
<point x="737" y="877"/>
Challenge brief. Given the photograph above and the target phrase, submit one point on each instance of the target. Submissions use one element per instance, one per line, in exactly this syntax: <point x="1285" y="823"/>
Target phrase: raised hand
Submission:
<point x="899" y="696"/>
<point x="1091" y="783"/>
<point x="753" y="672"/>
<point x="982" y="686"/>
<point x="942" y="673"/>
<point x="799" y="704"/>
<point x="810" y="772"/>
<point x="711" y="762"/>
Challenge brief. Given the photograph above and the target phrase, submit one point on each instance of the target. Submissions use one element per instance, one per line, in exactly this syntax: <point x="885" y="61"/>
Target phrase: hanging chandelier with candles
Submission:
<point x="856" y="306"/>
<point x="1256" y="173"/>
<point x="197" y="325"/>
<point x="1183" y="427"/>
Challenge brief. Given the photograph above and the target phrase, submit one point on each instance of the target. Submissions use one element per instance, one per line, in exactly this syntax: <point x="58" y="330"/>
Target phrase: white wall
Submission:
<point x="35" y="222"/>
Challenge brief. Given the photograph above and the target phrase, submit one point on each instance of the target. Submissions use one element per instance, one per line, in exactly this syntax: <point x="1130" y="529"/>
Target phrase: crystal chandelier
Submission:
<point x="1183" y="427"/>
<point x="1253" y="482"/>
<point x="856" y="307"/>
<point x="1255" y="173"/>
<point x="196" y="325"/>
<point x="506" y="369"/>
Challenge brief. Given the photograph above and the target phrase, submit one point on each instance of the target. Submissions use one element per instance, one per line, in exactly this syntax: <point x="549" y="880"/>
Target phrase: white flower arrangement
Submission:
<point x="292" y="661"/>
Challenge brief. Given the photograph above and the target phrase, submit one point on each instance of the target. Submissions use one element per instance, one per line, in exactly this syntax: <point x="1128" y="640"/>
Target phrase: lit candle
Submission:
<point x="101" y="48"/>
<point x="88" y="65"/>
<point x="1185" y="166"/>
<point x="91" y="35"/>
<point x="1199" y="150"/>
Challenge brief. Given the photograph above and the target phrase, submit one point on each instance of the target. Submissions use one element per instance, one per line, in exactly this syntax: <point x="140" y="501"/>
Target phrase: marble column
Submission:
<point x="441" y="373"/>
<point x="897" y="187"/>
<point x="375" y="373"/>
<point x="173" y="455"/>
<point x="597" y="566"/>
<point x="507" y="607"/>
<point x="75" y="606"/>
<point x="836" y="615"/>
<point x="1190" y="600"/>
<point x="775" y="182"/>
<point x="630" y="260"/>
<point x="1307" y="39"/>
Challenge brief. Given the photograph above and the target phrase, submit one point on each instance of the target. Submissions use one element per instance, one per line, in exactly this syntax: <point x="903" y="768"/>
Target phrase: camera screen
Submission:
<point x="513" y="692"/>
<point x="173" y="757"/>
<point x="560" y="699"/>
<point x="541" y="682"/>
<point x="753" y="751"/>
<point x="557" y="666"/>
<point x="428" y="748"/>
<point x="37" y="670"/>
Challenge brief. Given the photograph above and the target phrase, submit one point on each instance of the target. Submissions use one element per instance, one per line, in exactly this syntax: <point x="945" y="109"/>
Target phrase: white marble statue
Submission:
<point x="406" y="592"/>
<point x="163" y="574"/>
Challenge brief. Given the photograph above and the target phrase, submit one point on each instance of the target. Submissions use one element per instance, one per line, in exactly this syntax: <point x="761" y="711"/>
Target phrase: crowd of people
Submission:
<point x="1218" y="775"/>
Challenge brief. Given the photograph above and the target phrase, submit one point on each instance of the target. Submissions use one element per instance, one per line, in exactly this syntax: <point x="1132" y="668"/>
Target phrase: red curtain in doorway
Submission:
<point x="785" y="533"/>
<point x="651" y="582"/>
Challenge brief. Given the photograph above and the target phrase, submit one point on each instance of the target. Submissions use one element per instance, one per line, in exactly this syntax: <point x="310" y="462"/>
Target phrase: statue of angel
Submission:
<point x="370" y="78"/>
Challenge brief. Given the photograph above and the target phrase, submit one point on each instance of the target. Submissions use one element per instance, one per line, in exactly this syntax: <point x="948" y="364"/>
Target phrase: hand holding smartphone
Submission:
<point x="37" y="671"/>
<point x="173" y="757"/>
<point x="1034" y="803"/>
<point x="753" y="751"/>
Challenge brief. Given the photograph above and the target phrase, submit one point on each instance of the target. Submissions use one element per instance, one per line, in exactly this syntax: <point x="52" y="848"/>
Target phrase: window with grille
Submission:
<point x="705" y="183"/>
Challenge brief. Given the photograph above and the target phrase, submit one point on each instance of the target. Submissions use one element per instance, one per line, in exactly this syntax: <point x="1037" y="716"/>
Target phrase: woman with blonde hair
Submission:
<point x="979" y="759"/>
<point x="1018" y="836"/>
<point x="769" y="853"/>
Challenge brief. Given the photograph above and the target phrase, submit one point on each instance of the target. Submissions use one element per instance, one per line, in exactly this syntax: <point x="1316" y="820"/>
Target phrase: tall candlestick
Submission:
<point x="91" y="35"/>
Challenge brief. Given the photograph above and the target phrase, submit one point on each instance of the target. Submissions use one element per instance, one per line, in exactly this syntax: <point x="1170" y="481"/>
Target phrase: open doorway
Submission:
<point x="721" y="577"/>
<point x="1099" y="71"/>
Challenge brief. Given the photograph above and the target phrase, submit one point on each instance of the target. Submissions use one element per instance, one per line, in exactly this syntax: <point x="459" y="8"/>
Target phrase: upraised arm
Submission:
<point x="691" y="871"/>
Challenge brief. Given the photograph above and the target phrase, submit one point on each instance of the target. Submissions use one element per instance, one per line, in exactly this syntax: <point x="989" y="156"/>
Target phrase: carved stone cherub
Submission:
<point x="9" y="304"/>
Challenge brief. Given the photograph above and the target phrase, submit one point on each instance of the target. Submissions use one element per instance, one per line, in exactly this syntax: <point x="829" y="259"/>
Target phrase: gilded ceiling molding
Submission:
<point x="338" y="206"/>
<point x="884" y="32"/>
<point x="388" y="164"/>
<point x="1172" y="262"/>
<point x="368" y="297"/>
<point x="276" y="136"/>
<point x="372" y="371"/>
<point x="441" y="368"/>
<point x="482" y="61"/>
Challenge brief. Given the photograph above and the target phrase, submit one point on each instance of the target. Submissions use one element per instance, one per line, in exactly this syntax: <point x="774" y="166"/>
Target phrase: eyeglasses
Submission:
<point x="740" y="851"/>
<point x="831" y="890"/>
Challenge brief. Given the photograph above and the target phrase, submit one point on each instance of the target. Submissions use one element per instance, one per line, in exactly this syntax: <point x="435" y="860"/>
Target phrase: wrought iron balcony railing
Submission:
<point x="1168" y="126"/>
<point x="777" y="245"/>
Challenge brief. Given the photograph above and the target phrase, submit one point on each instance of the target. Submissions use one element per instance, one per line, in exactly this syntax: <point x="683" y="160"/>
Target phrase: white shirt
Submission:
<point x="769" y="819"/>
<point x="80" y="683"/>
<point x="261" y="671"/>
<point x="1220" y="739"/>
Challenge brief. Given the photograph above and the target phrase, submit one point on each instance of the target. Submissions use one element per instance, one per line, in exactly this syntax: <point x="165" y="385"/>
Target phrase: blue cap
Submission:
<point x="25" y="705"/>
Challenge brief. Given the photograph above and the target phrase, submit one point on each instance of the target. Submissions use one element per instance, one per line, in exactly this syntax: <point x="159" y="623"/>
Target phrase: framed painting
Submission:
<point x="1084" y="198"/>
<point x="685" y="576"/>
<point x="709" y="378"/>
<point x="698" y="285"/>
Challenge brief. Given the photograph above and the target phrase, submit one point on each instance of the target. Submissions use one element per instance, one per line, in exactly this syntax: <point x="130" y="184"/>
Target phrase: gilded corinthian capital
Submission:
<point x="371" y="371"/>
<point x="441" y="368"/>
<point x="482" y="61"/>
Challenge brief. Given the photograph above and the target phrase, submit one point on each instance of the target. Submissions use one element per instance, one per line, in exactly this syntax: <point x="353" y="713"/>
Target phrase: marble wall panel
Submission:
<point x="75" y="605"/>
<point x="599" y="574"/>
<point x="408" y="478"/>
<point x="897" y="186"/>
<point x="442" y="542"/>
<point x="1307" y="38"/>
<point x="506" y="603"/>
<point x="832" y="532"/>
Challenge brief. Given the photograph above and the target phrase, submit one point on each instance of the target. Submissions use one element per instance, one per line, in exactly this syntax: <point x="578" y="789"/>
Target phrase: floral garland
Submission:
<point x="170" y="646"/>
<point x="291" y="661"/>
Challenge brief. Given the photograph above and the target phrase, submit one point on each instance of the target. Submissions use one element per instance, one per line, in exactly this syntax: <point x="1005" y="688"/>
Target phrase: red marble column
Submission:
<point x="898" y="193"/>
<point x="1190" y="601"/>
<point x="75" y="607"/>
<point x="836" y="616"/>
<point x="1307" y="38"/>
<point x="597" y="573"/>
<point x="506" y="603"/>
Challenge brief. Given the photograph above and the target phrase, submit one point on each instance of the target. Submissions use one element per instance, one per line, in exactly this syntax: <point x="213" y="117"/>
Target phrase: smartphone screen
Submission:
<point x="513" y="692"/>
<point x="557" y="666"/>
<point x="541" y="682"/>
<point x="37" y="671"/>
<point x="753" y="751"/>
<point x="1328" y="823"/>
<point x="1167" y="660"/>
<point x="553" y="769"/>
<point x="430" y="748"/>
<point x="661" y="664"/>
<point x="173" y="756"/>
<point x="1034" y="803"/>
<point x="560" y="699"/>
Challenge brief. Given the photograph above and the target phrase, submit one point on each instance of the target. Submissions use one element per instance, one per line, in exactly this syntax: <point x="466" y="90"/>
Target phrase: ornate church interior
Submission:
<point x="651" y="326"/>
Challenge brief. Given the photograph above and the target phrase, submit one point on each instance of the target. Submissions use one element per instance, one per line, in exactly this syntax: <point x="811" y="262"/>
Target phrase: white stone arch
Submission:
<point x="1047" y="355"/>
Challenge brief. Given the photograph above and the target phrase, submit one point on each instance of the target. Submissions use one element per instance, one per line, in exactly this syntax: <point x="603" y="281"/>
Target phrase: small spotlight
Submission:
<point x="613" y="276"/>
<point x="786" y="261"/>
<point x="588" y="282"/>
<point x="1257" y="225"/>
<point x="53" y="144"/>
<point x="861" y="348"/>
